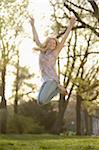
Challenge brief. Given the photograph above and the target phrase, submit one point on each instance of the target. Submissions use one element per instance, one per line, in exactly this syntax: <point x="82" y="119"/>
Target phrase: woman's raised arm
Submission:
<point x="35" y="35"/>
<point x="71" y="24"/>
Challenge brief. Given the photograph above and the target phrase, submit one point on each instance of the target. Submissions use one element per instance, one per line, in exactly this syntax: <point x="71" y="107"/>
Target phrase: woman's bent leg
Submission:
<point x="48" y="90"/>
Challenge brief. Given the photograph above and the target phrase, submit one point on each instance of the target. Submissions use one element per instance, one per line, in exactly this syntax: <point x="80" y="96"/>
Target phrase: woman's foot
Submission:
<point x="62" y="90"/>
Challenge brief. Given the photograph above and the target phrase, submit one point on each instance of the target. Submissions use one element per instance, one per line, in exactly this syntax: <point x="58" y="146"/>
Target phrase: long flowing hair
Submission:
<point x="43" y="46"/>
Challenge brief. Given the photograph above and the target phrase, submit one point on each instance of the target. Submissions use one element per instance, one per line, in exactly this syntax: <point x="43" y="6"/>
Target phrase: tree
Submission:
<point x="21" y="84"/>
<point x="10" y="27"/>
<point x="77" y="53"/>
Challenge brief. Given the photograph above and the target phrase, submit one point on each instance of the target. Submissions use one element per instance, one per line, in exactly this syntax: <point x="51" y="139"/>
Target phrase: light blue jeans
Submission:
<point x="48" y="90"/>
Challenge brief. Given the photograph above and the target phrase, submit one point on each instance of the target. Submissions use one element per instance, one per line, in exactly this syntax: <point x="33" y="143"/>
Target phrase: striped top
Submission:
<point x="47" y="62"/>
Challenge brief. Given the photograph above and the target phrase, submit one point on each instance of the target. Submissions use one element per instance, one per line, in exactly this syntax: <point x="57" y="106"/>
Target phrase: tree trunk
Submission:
<point x="16" y="98"/>
<point x="88" y="123"/>
<point x="16" y="106"/>
<point x="58" y="125"/>
<point x="16" y="85"/>
<point x="3" y="120"/>
<point x="78" y="115"/>
<point x="3" y="106"/>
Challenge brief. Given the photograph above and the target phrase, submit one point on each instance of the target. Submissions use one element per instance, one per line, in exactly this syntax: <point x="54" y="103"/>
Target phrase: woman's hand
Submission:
<point x="73" y="20"/>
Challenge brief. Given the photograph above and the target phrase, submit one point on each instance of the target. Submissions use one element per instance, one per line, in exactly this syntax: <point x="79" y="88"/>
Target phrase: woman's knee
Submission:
<point x="47" y="92"/>
<point x="42" y="100"/>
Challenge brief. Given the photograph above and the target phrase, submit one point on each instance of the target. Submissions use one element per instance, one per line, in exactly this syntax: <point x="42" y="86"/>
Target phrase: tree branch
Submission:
<point x="80" y="7"/>
<point x="82" y="22"/>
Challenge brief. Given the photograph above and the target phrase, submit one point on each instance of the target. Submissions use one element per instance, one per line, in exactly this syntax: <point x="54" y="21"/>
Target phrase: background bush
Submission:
<point x="21" y="124"/>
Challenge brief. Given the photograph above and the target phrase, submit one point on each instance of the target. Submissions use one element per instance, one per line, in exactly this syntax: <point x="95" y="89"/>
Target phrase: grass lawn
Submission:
<point x="47" y="142"/>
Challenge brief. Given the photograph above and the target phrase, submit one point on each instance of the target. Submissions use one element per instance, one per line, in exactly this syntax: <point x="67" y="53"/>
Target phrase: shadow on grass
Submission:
<point x="43" y="137"/>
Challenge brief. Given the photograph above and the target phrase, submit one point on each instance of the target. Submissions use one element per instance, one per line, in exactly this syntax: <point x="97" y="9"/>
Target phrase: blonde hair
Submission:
<point x="43" y="47"/>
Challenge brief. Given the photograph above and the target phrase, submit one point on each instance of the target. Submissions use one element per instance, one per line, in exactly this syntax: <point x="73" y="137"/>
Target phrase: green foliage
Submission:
<point x="3" y="119"/>
<point x="21" y="124"/>
<point x="88" y="90"/>
<point x="12" y="17"/>
<point x="31" y="118"/>
<point x="22" y="83"/>
<point x="44" y="115"/>
<point x="8" y="1"/>
<point x="24" y="77"/>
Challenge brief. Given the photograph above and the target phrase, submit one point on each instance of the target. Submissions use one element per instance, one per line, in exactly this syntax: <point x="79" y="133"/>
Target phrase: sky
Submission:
<point x="41" y="13"/>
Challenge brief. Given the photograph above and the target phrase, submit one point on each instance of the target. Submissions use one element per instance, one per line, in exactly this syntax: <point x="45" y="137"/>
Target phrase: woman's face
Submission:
<point x="52" y="44"/>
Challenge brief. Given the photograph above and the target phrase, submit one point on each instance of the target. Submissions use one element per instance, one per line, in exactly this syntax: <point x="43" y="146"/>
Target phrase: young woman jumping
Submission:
<point x="49" y="52"/>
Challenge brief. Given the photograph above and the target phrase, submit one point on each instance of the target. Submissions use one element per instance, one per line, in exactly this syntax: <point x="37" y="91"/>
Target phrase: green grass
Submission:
<point x="47" y="142"/>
